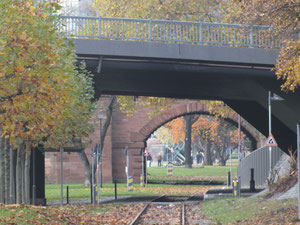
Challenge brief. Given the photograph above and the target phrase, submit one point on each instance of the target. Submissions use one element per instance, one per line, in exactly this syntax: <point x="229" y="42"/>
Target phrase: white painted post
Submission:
<point x="93" y="178"/>
<point x="61" y="176"/>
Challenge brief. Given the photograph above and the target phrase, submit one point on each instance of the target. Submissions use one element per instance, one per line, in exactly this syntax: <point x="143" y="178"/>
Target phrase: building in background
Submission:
<point x="77" y="7"/>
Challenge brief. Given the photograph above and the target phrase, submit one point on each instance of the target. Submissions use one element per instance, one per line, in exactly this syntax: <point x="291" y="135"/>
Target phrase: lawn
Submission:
<point x="250" y="211"/>
<point x="206" y="171"/>
<point x="181" y="174"/>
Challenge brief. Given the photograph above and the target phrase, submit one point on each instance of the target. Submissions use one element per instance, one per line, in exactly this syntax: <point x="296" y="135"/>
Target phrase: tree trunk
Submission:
<point x="27" y="175"/>
<point x="104" y="129"/>
<point x="188" y="141"/>
<point x="19" y="173"/>
<point x="222" y="161"/>
<point x="2" y="170"/>
<point x="207" y="154"/>
<point x="7" y="170"/>
<point x="87" y="167"/>
<point x="109" y="112"/>
<point x="23" y="175"/>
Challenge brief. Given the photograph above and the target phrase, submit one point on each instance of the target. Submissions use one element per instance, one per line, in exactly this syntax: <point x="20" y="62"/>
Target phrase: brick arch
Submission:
<point x="191" y="108"/>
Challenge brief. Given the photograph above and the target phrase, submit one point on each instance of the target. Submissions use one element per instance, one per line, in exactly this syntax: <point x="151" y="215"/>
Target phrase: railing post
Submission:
<point x="201" y="32"/>
<point x="99" y="27"/>
<point x="150" y="30"/>
<point x="251" y="37"/>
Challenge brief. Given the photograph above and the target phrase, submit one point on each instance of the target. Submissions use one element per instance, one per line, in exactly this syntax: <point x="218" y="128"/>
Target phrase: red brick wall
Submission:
<point x="124" y="131"/>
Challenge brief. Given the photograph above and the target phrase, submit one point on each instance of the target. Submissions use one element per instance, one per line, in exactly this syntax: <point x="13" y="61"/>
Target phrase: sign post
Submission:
<point x="271" y="142"/>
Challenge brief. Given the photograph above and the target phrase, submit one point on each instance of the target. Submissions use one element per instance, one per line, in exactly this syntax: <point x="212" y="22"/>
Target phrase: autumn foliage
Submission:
<point x="212" y="135"/>
<point x="283" y="16"/>
<point x="42" y="95"/>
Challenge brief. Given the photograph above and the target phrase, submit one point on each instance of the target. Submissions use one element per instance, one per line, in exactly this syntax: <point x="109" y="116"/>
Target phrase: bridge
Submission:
<point x="182" y="60"/>
<point x="188" y="60"/>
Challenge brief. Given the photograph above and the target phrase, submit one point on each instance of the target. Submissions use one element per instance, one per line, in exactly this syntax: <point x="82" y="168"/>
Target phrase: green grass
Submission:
<point x="234" y="210"/>
<point x="207" y="171"/>
<point x="181" y="174"/>
<point x="78" y="191"/>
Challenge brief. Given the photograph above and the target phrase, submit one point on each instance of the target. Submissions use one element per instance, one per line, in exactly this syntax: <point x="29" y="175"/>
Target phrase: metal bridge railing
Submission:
<point x="168" y="31"/>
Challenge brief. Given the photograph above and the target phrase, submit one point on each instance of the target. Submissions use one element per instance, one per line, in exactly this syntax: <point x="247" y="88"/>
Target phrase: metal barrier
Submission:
<point x="168" y="31"/>
<point x="259" y="161"/>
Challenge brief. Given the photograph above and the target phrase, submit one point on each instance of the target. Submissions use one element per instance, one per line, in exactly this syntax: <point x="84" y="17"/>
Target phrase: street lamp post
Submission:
<point x="100" y="116"/>
<point x="271" y="98"/>
<point x="270" y="132"/>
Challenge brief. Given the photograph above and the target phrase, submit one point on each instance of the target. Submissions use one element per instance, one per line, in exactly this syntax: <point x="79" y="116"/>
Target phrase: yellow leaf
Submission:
<point x="19" y="68"/>
<point x="23" y="35"/>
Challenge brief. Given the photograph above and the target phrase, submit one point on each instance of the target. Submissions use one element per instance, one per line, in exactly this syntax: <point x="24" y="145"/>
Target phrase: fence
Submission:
<point x="168" y="31"/>
<point x="259" y="160"/>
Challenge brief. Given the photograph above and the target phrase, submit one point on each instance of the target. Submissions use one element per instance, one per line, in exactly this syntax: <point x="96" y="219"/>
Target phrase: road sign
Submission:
<point x="271" y="141"/>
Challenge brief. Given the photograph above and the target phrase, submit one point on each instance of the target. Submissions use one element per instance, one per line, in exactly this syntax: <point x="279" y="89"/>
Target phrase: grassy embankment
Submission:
<point x="250" y="211"/>
<point x="225" y="211"/>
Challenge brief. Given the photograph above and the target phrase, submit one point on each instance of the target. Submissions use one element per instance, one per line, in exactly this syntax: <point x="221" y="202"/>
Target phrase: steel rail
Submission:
<point x="136" y="220"/>
<point x="167" y="31"/>
<point x="138" y="216"/>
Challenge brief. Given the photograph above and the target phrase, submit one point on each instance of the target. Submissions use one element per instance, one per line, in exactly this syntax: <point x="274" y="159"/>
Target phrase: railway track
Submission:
<point x="164" y="210"/>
